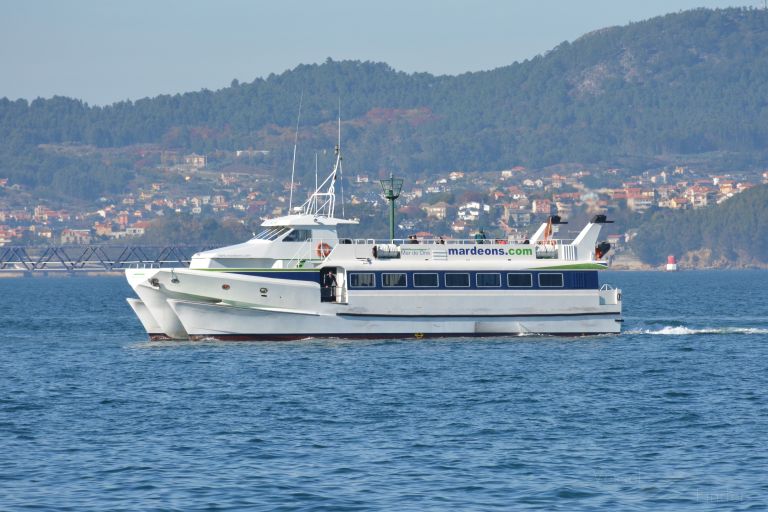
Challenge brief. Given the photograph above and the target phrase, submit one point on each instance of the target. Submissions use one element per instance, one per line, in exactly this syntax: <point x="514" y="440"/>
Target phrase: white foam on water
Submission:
<point x="678" y="330"/>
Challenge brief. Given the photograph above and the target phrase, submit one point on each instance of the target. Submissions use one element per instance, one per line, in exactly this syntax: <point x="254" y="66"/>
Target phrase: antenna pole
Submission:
<point x="295" y="144"/>
<point x="341" y="172"/>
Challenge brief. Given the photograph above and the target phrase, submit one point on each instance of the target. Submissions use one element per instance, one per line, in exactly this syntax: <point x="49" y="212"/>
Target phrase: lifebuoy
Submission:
<point x="323" y="249"/>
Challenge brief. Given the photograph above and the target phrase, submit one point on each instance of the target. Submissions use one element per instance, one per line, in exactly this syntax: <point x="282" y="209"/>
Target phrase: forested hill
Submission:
<point x="687" y="83"/>
<point x="733" y="234"/>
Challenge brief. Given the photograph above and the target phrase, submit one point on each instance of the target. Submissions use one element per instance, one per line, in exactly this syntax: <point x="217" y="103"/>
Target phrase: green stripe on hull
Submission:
<point x="575" y="266"/>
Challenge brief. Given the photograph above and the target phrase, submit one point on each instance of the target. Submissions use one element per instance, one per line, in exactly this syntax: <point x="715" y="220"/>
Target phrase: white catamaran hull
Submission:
<point x="188" y="303"/>
<point x="225" y="322"/>
<point x="154" y="331"/>
<point x="153" y="309"/>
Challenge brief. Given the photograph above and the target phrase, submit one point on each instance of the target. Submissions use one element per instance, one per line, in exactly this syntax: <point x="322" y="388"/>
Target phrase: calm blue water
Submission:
<point x="671" y="415"/>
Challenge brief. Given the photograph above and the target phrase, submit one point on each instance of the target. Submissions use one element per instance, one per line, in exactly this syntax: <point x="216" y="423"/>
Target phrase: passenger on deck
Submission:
<point x="329" y="287"/>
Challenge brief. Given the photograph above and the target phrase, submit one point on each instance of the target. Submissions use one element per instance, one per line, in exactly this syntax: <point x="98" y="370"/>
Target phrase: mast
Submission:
<point x="295" y="145"/>
<point x="341" y="172"/>
<point x="322" y="202"/>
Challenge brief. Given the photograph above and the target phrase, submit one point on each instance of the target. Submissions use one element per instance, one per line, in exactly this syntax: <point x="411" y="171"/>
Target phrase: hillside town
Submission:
<point x="509" y="203"/>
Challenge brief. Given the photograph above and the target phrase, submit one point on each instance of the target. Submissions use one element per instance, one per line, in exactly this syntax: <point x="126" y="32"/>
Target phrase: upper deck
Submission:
<point x="313" y="243"/>
<point x="467" y="252"/>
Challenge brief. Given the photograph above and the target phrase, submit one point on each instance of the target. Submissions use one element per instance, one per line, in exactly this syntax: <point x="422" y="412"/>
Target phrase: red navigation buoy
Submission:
<point x="671" y="262"/>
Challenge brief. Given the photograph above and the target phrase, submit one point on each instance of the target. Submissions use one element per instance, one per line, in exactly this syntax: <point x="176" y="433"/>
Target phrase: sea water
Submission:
<point x="670" y="415"/>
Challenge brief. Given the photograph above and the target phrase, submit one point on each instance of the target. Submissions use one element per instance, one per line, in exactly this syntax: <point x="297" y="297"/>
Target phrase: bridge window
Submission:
<point x="488" y="280"/>
<point x="456" y="280"/>
<point x="393" y="280"/>
<point x="551" y="280"/>
<point x="298" y="235"/>
<point x="362" y="280"/>
<point x="519" y="280"/>
<point x="271" y="233"/>
<point x="425" y="280"/>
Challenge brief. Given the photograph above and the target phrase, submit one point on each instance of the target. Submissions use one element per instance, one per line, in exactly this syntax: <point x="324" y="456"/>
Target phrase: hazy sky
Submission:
<point x="103" y="51"/>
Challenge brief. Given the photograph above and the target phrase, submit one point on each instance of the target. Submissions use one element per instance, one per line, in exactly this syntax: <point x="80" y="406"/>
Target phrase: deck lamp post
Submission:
<point x="391" y="187"/>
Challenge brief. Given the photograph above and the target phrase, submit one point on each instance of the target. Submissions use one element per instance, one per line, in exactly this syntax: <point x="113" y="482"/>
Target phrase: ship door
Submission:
<point x="329" y="288"/>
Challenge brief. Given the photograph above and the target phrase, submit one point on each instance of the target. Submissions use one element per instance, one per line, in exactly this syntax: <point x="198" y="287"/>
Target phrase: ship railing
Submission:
<point x="449" y="241"/>
<point x="316" y="249"/>
<point x="302" y="254"/>
<point x="140" y="265"/>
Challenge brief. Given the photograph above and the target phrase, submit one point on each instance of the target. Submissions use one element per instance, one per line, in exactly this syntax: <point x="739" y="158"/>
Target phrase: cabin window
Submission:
<point x="551" y="280"/>
<point x="425" y="280"/>
<point x="456" y="280"/>
<point x="362" y="280"/>
<point x="488" y="280"/>
<point x="393" y="280"/>
<point x="519" y="280"/>
<point x="271" y="233"/>
<point x="298" y="235"/>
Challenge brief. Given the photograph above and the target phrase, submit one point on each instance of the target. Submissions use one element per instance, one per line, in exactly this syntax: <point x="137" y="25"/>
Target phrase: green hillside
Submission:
<point x="734" y="233"/>
<point x="690" y="83"/>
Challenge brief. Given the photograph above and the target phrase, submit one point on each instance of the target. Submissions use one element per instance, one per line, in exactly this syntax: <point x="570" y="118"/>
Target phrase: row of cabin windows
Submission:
<point x="454" y="280"/>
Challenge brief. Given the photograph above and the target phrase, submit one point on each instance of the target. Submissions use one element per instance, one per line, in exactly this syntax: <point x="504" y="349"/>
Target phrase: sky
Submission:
<point x="103" y="51"/>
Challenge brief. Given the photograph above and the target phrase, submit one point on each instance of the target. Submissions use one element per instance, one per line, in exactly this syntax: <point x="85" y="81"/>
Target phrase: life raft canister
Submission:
<point x="385" y="251"/>
<point x="323" y="249"/>
<point x="602" y="249"/>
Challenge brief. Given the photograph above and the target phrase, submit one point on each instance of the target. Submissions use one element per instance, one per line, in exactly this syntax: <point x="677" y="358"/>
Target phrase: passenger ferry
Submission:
<point x="298" y="279"/>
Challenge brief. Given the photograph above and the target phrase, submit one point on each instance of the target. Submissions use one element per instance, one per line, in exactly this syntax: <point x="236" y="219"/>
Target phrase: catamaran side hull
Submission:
<point x="242" y="323"/>
<point x="149" y="323"/>
<point x="156" y="302"/>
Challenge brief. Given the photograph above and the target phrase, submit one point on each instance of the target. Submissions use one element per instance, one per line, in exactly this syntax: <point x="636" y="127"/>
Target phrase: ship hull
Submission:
<point x="225" y="322"/>
<point x="154" y="331"/>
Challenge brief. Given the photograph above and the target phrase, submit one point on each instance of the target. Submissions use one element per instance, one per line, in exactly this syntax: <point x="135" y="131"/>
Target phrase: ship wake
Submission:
<point x="680" y="330"/>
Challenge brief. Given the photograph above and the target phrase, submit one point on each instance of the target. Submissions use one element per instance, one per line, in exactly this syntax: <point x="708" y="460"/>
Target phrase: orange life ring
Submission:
<point x="323" y="249"/>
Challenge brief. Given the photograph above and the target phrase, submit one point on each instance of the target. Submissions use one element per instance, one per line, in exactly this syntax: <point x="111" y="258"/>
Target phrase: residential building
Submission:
<point x="75" y="236"/>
